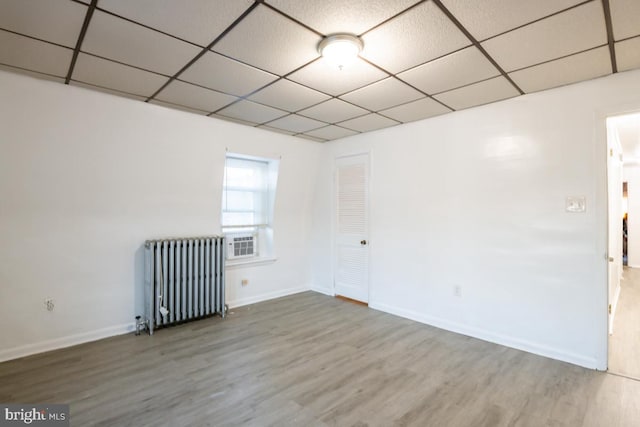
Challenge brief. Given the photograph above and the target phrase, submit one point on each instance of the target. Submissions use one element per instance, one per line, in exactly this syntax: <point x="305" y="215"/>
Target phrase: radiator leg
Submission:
<point x="141" y="325"/>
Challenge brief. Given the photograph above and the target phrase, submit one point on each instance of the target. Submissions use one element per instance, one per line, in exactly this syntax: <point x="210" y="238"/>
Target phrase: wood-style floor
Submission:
<point x="312" y="360"/>
<point x="624" y="344"/>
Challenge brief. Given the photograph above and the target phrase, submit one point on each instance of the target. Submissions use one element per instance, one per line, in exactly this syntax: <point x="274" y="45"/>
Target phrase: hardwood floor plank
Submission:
<point x="312" y="360"/>
<point x="624" y="344"/>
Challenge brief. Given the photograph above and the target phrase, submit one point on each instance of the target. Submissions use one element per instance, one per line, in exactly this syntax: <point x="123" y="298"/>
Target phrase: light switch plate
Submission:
<point x="576" y="204"/>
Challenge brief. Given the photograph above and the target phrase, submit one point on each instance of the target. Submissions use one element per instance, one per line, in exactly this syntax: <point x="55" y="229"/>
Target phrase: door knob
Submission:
<point x="363" y="242"/>
<point x="611" y="259"/>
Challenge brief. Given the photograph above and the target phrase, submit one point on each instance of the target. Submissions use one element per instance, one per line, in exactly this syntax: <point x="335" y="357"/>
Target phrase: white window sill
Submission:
<point x="249" y="262"/>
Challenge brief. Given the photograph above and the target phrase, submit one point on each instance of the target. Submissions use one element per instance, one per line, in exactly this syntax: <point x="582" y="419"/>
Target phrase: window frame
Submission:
<point x="262" y="228"/>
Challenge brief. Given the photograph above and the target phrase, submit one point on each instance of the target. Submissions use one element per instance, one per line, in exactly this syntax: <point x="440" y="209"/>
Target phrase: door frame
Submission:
<point x="334" y="218"/>
<point x="602" y="131"/>
<point x="602" y="218"/>
<point x="611" y="304"/>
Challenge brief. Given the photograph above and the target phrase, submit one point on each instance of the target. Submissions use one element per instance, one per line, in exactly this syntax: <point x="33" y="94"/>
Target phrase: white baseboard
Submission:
<point x="508" y="341"/>
<point x="323" y="290"/>
<point x="71" y="340"/>
<point x="267" y="296"/>
<point x="68" y="341"/>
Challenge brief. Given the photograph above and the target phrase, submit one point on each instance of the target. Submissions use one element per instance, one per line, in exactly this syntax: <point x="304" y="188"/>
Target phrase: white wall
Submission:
<point x="477" y="199"/>
<point x="86" y="177"/>
<point x="632" y="176"/>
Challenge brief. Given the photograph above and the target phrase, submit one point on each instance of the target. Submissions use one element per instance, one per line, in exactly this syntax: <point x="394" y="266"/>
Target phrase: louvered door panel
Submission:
<point x="352" y="218"/>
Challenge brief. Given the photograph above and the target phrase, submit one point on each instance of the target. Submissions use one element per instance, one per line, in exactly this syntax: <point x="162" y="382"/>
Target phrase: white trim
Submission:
<point x="614" y="306"/>
<point x="528" y="346"/>
<point x="601" y="139"/>
<point x="249" y="262"/>
<point x="267" y="296"/>
<point x="633" y="266"/>
<point x="71" y="340"/>
<point x="334" y="207"/>
<point x="323" y="290"/>
<point x="68" y="341"/>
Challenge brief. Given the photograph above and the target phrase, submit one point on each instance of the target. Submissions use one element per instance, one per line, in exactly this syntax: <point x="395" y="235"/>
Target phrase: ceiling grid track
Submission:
<point x="560" y="57"/>
<point x="391" y="18"/>
<point x="206" y="49"/>
<point x="410" y="85"/>
<point x="542" y="18"/>
<point x="292" y="19"/>
<point x="476" y="44"/>
<point x="369" y="111"/>
<point x="83" y="33"/>
<point x="35" y="38"/>
<point x="280" y="92"/>
<point x="253" y="92"/>
<point x="610" y="39"/>
<point x="124" y="18"/>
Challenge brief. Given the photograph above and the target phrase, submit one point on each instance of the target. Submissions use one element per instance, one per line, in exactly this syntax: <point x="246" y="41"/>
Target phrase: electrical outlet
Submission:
<point x="244" y="282"/>
<point x="457" y="290"/>
<point x="48" y="304"/>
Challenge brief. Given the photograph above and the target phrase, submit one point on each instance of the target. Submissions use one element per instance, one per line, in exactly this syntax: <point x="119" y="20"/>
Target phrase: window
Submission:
<point x="247" y="206"/>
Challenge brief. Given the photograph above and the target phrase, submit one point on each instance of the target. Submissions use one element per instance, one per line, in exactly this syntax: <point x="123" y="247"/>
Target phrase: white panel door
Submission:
<point x="614" y="172"/>
<point x="352" y="227"/>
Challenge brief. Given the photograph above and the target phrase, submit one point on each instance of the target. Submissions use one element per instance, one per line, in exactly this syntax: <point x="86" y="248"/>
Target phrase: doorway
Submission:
<point x="623" y="174"/>
<point x="351" y="279"/>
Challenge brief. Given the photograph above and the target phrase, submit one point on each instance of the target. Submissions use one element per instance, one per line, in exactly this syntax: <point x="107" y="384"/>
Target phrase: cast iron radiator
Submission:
<point x="184" y="280"/>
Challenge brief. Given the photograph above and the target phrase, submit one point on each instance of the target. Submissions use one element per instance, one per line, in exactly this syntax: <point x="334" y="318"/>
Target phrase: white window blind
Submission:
<point x="246" y="193"/>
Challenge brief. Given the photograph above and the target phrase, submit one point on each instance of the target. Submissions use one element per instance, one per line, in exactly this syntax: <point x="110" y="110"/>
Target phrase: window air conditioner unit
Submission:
<point x="241" y="246"/>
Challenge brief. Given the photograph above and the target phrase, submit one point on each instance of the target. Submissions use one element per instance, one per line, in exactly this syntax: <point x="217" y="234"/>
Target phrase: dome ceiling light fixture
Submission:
<point x="340" y="49"/>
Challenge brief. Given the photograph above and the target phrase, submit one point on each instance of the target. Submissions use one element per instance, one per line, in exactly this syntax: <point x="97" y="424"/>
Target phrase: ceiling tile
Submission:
<point x="192" y="96"/>
<point x="384" y="94"/>
<point x="458" y="69"/>
<point x="252" y="112"/>
<point x="198" y="21"/>
<point x="416" y="110"/>
<point x="107" y="90"/>
<point x="289" y="96"/>
<point x="123" y="41"/>
<point x="268" y="40"/>
<point x="311" y="138"/>
<point x="628" y="54"/>
<point x="282" y="131"/>
<point x="339" y="16"/>
<point x="23" y="52"/>
<point x="331" y="132"/>
<point x="417" y="36"/>
<point x="487" y="18"/>
<point x="333" y="111"/>
<point x="571" y="69"/>
<point x="112" y="75"/>
<point x="297" y="124"/>
<point x="57" y="21"/>
<point x="179" y="107"/>
<point x="484" y="92"/>
<point x="579" y="29"/>
<point x="369" y="122"/>
<point x="325" y="77"/>
<point x="625" y="18"/>
<point x="226" y="75"/>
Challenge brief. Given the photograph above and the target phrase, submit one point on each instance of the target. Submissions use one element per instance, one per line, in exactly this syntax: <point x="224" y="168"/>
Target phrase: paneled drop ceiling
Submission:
<point x="256" y="62"/>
